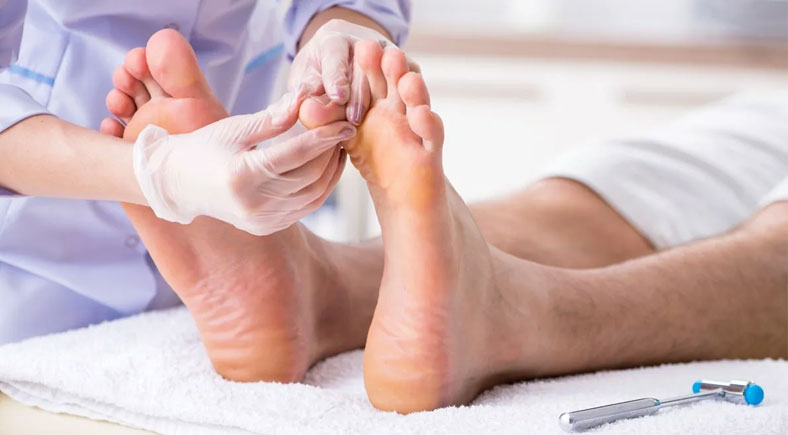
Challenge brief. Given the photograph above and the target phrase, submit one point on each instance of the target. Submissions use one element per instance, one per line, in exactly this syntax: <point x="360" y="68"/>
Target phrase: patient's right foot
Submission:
<point x="268" y="307"/>
<point x="444" y="327"/>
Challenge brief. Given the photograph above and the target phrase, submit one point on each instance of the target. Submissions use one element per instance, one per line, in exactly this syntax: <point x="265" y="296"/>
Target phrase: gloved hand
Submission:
<point x="218" y="170"/>
<point x="325" y="66"/>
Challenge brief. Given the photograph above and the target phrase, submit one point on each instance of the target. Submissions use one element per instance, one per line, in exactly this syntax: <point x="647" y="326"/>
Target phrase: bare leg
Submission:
<point x="725" y="297"/>
<point x="559" y="222"/>
<point x="456" y="315"/>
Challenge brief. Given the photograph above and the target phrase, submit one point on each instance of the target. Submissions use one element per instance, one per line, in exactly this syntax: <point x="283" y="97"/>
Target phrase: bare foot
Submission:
<point x="440" y="320"/>
<point x="268" y="307"/>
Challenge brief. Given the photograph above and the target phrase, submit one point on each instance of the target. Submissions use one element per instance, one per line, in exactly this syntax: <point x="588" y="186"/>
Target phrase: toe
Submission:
<point x="174" y="66"/>
<point x="137" y="65"/>
<point x="359" y="101"/>
<point x="127" y="84"/>
<point x="121" y="105"/>
<point x="427" y="125"/>
<point x="111" y="127"/>
<point x="368" y="54"/>
<point x="395" y="65"/>
<point x="317" y="111"/>
<point x="413" y="90"/>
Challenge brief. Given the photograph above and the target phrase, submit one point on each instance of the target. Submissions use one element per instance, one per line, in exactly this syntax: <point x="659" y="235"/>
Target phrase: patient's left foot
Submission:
<point x="268" y="307"/>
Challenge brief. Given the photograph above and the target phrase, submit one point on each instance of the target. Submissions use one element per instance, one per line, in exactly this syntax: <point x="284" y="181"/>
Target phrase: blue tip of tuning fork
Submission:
<point x="753" y="394"/>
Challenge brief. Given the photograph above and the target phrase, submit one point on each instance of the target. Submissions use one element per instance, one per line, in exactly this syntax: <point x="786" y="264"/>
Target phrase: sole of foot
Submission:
<point x="439" y="307"/>
<point x="258" y="302"/>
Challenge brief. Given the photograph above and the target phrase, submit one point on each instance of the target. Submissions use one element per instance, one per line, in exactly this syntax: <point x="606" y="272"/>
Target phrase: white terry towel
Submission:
<point x="151" y="372"/>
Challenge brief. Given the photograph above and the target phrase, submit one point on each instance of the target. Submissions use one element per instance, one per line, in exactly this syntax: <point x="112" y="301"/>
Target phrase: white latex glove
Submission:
<point x="218" y="170"/>
<point x="325" y="66"/>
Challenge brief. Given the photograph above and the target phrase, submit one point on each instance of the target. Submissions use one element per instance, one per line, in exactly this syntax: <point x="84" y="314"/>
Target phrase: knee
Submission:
<point x="770" y="225"/>
<point x="573" y="203"/>
<point x="564" y="194"/>
<point x="586" y="220"/>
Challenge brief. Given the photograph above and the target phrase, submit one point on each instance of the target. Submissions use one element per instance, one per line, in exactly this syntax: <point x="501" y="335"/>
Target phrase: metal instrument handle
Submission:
<point x="681" y="400"/>
<point x="588" y="418"/>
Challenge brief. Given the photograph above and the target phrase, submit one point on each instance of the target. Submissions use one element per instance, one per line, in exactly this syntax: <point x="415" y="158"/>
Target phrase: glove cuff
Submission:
<point x="149" y="158"/>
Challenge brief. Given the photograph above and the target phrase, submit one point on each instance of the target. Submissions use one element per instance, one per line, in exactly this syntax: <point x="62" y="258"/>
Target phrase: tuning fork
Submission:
<point x="743" y="392"/>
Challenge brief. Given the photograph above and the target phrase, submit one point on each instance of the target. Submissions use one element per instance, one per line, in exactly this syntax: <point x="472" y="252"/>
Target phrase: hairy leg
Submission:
<point x="724" y="297"/>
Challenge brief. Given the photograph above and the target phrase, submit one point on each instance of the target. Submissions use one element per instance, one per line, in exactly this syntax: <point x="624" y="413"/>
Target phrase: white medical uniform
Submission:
<point x="69" y="263"/>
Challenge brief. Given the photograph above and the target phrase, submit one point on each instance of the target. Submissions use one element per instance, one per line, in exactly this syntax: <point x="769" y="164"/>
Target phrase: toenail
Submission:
<point x="321" y="99"/>
<point x="337" y="94"/>
<point x="354" y="115"/>
<point x="347" y="132"/>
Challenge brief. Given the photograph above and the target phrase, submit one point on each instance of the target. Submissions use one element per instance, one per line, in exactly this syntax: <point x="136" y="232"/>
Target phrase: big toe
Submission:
<point x="317" y="111"/>
<point x="174" y="66"/>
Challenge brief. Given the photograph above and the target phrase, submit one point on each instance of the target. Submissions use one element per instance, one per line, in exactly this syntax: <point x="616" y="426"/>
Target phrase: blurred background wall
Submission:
<point x="518" y="82"/>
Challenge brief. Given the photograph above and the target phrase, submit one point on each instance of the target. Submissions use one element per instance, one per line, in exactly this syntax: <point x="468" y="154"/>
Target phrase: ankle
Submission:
<point x="340" y="313"/>
<point x="532" y="342"/>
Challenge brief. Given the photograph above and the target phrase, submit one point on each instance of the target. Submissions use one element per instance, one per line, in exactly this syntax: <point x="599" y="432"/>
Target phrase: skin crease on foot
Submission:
<point x="266" y="307"/>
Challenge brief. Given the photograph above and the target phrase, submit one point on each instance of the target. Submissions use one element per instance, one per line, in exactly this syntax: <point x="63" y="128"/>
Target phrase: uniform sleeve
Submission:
<point x="392" y="15"/>
<point x="12" y="17"/>
<point x="15" y="103"/>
